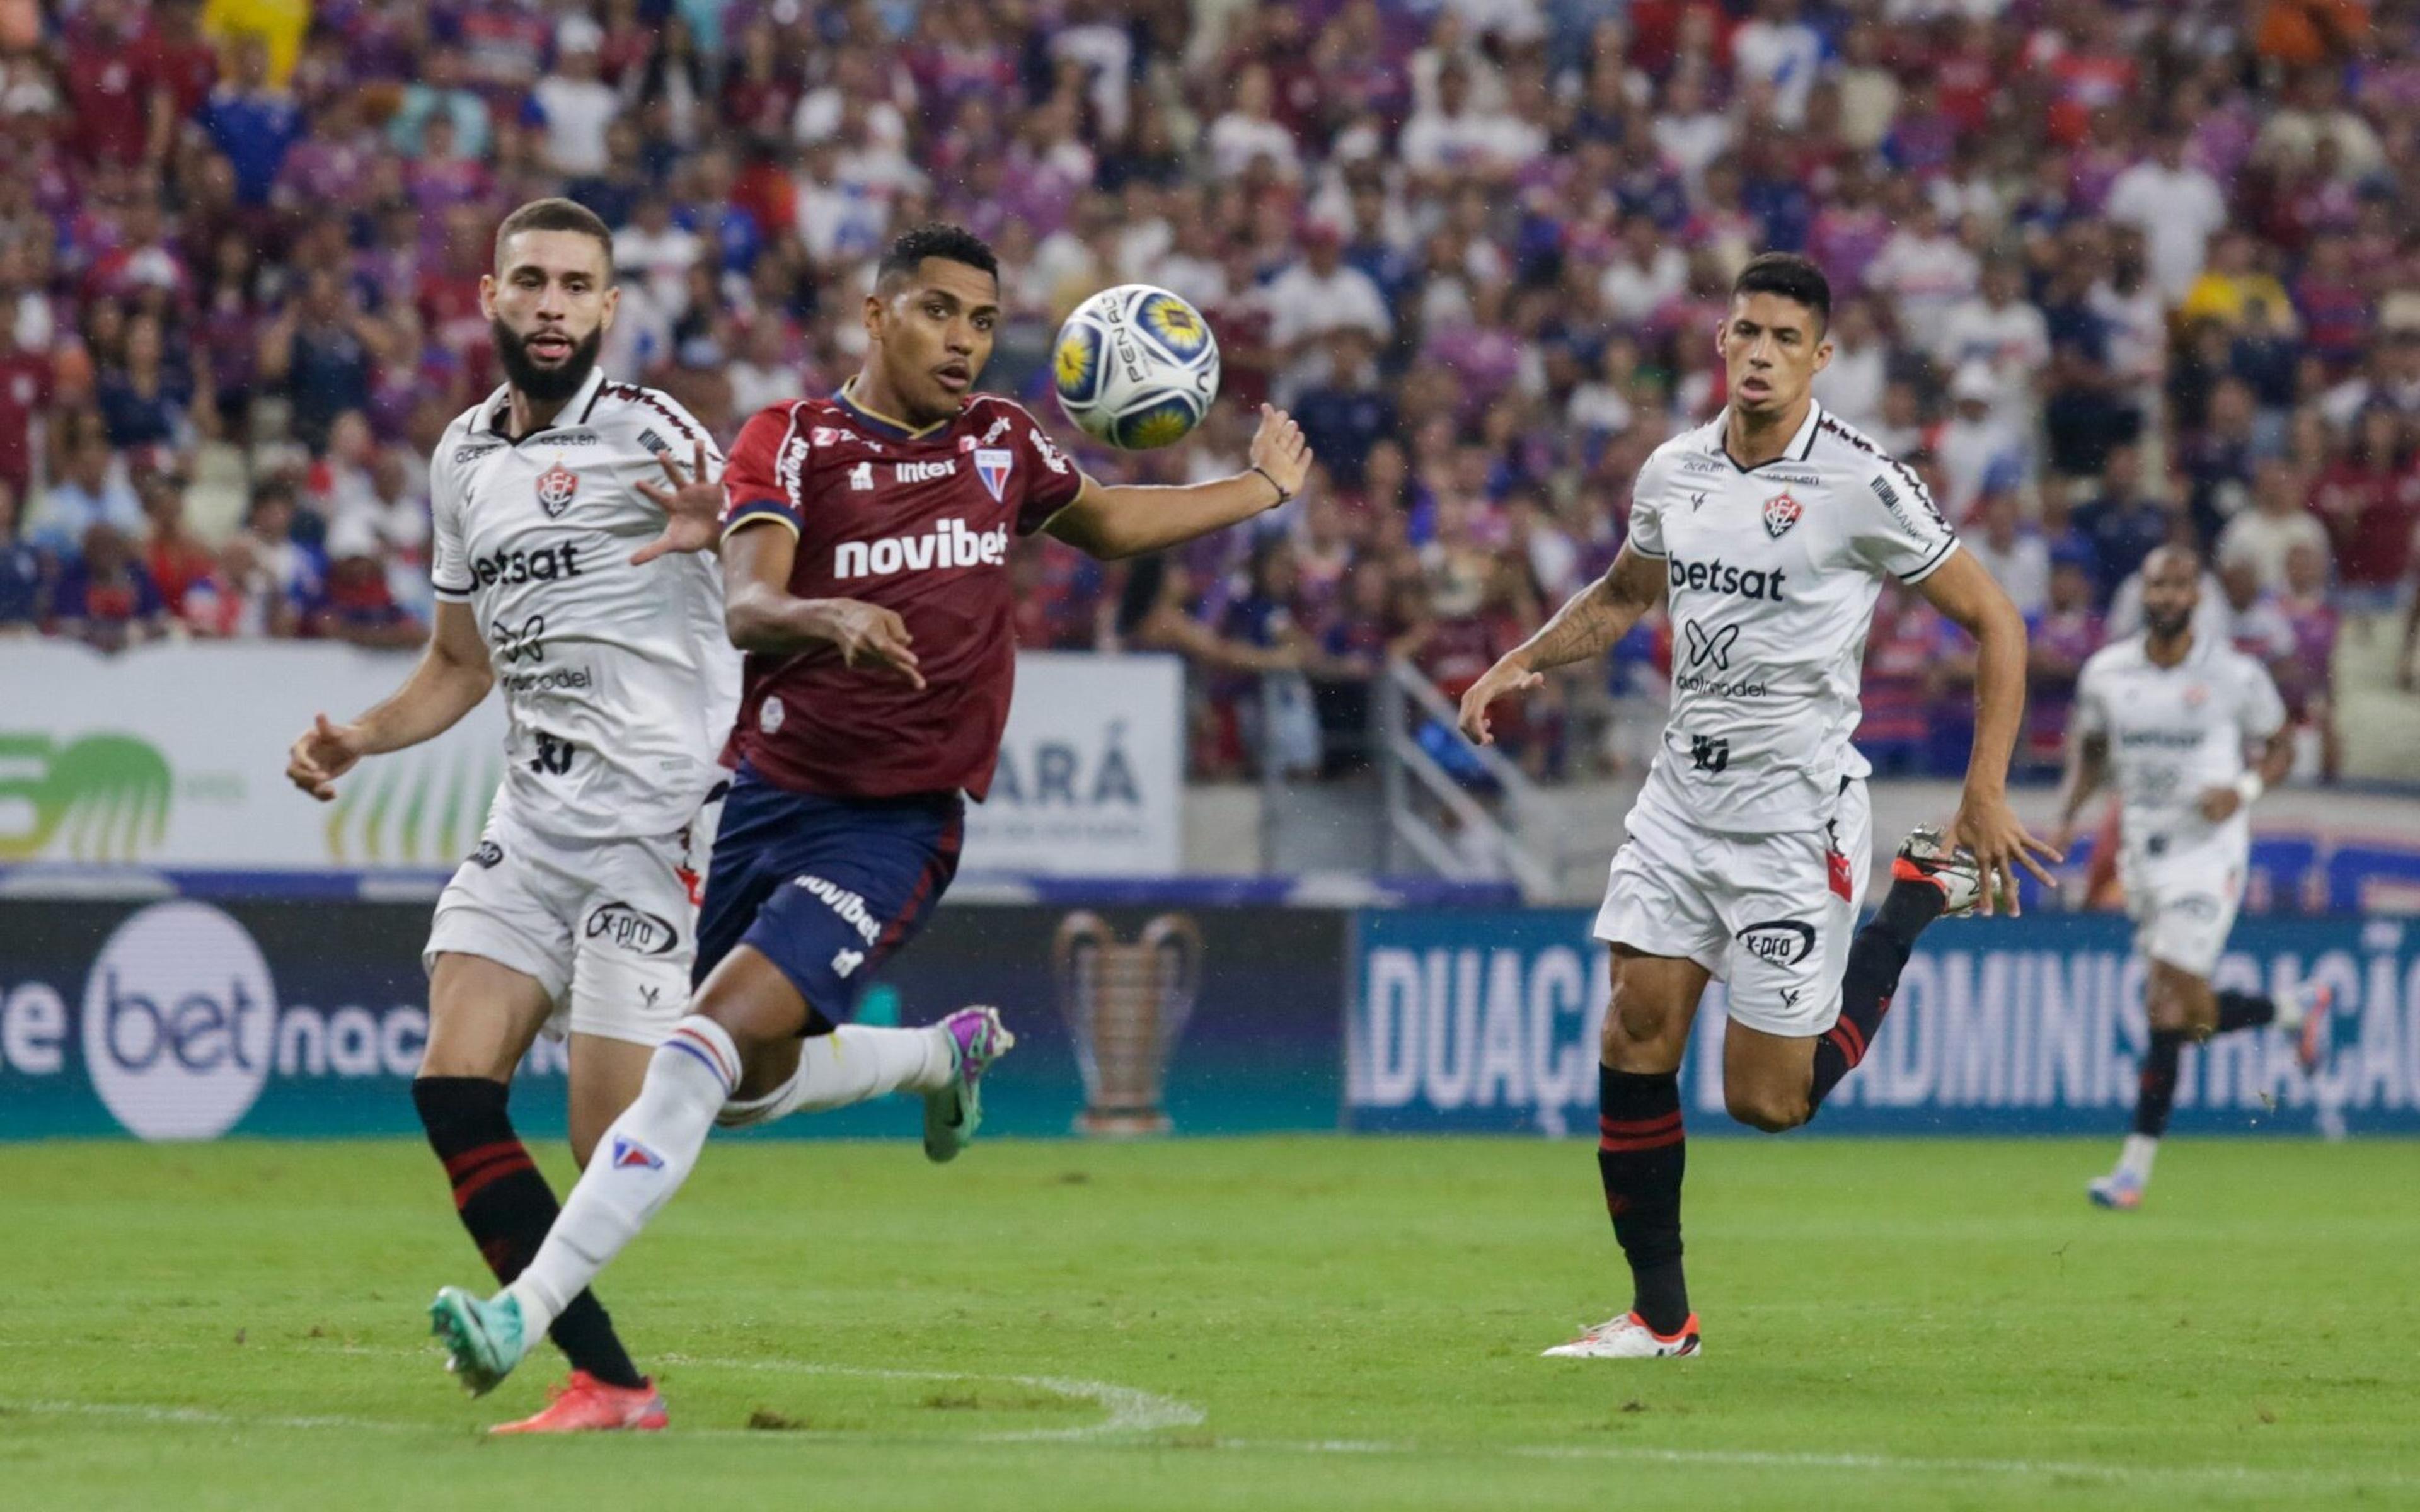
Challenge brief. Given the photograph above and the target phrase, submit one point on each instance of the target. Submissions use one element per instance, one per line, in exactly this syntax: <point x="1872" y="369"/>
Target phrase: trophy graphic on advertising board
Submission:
<point x="1126" y="1005"/>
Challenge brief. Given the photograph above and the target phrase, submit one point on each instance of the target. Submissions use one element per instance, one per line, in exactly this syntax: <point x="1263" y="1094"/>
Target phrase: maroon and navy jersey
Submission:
<point x="917" y="522"/>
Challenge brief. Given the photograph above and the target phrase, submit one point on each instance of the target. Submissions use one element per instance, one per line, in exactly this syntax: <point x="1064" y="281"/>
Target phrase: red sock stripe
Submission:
<point x="1616" y="1147"/>
<point x="1851" y="1040"/>
<point x="1617" y="1128"/>
<point x="488" y="1176"/>
<point x="713" y="1054"/>
<point x="461" y="1165"/>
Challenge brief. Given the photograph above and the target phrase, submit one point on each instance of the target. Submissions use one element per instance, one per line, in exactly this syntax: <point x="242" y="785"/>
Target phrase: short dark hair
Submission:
<point x="556" y="215"/>
<point x="954" y="243"/>
<point x="1792" y="277"/>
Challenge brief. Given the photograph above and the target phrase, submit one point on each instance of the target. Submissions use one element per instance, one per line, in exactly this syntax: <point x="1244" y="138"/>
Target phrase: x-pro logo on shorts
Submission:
<point x="1716" y="645"/>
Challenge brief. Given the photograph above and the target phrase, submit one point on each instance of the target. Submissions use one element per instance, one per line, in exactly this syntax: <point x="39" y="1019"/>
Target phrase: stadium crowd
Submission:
<point x="2110" y="274"/>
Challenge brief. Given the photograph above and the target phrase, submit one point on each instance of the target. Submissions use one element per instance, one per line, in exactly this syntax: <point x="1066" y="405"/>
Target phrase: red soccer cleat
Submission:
<point x="584" y="1404"/>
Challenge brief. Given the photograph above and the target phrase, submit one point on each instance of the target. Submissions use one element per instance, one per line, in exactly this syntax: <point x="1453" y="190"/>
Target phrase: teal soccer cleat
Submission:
<point x="952" y="1115"/>
<point x="484" y="1340"/>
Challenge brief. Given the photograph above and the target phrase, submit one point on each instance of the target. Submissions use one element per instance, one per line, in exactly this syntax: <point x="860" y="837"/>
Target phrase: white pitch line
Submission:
<point x="1130" y="1409"/>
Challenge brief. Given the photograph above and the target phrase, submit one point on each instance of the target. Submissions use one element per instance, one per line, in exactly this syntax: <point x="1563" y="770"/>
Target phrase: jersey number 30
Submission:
<point x="553" y="756"/>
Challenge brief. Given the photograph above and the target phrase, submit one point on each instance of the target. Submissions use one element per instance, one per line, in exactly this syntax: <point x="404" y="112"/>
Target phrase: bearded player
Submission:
<point x="865" y="541"/>
<point x="2174" y="711"/>
<point x="575" y="914"/>
<point x="1767" y="532"/>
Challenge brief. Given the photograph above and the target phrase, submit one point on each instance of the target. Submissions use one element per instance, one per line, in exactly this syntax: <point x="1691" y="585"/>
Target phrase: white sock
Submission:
<point x="640" y="1162"/>
<point x="2134" y="1161"/>
<point x="852" y="1064"/>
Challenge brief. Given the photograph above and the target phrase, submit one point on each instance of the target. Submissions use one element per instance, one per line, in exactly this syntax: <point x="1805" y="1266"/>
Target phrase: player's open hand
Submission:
<point x="2218" y="805"/>
<point x="1989" y="827"/>
<point x="320" y="755"/>
<point x="868" y="635"/>
<point x="1279" y="451"/>
<point x="693" y="506"/>
<point x="1506" y="676"/>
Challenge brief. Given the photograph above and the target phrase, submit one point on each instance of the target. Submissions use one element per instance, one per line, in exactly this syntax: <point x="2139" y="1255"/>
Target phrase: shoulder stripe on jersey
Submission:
<point x="1931" y="563"/>
<point x="636" y="395"/>
<point x="758" y="510"/>
<point x="1857" y="440"/>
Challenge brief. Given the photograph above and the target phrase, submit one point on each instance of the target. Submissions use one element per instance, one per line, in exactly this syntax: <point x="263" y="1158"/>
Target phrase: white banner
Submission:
<point x="1092" y="771"/>
<point x="174" y="756"/>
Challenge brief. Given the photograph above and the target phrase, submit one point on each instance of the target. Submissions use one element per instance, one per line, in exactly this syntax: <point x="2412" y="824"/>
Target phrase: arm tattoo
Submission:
<point x="1587" y="626"/>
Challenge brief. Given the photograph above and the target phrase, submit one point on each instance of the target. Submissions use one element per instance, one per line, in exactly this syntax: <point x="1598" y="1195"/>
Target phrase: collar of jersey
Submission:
<point x="895" y="430"/>
<point x="1801" y="446"/>
<point x="575" y="412"/>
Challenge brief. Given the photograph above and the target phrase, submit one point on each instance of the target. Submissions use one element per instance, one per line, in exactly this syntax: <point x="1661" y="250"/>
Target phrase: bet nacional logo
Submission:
<point x="179" y="1021"/>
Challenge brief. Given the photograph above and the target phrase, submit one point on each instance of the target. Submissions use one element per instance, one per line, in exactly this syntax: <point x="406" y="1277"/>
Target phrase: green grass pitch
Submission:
<point x="1312" y="1322"/>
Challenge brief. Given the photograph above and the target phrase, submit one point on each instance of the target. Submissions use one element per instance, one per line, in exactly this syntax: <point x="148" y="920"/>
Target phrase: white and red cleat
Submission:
<point x="1628" y="1337"/>
<point x="2304" y="1013"/>
<point x="584" y="1404"/>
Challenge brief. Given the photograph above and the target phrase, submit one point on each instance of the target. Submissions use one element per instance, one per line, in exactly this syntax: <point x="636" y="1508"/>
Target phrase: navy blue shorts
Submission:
<point x="825" y="888"/>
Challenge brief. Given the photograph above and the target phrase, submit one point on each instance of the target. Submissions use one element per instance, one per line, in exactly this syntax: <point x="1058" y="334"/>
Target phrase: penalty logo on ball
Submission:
<point x="1135" y="366"/>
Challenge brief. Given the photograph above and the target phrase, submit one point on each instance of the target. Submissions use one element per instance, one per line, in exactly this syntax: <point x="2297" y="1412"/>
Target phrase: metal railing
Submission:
<point x="1516" y="842"/>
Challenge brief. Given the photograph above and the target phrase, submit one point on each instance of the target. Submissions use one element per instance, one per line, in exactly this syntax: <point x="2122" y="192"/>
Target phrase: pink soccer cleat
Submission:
<point x="584" y="1404"/>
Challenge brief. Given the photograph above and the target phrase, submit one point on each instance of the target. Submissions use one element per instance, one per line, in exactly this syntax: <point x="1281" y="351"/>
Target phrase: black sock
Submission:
<point x="2159" y="1087"/>
<point x="1641" y="1151"/>
<point x="2242" y="1011"/>
<point x="1876" y="958"/>
<point x="508" y="1207"/>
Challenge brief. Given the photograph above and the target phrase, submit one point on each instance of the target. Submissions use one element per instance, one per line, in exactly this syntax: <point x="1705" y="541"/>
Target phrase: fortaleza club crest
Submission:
<point x="557" y="484"/>
<point x="1780" y="513"/>
<point x="992" y="464"/>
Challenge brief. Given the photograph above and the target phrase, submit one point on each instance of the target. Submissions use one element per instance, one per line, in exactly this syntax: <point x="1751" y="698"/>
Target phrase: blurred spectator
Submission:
<point x="2123" y="523"/>
<point x="106" y="597"/>
<point x="2175" y="205"/>
<point x="252" y="122"/>
<point x="358" y="607"/>
<point x="1346" y="411"/>
<point x="2260" y="537"/>
<point x="575" y="104"/>
<point x="2013" y="552"/>
<point x="93" y="491"/>
<point x="1979" y="449"/>
<point x="2369" y="500"/>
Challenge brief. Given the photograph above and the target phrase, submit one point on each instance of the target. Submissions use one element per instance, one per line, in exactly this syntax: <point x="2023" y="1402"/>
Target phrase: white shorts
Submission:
<point x="609" y="928"/>
<point x="2183" y="900"/>
<point x="1772" y="914"/>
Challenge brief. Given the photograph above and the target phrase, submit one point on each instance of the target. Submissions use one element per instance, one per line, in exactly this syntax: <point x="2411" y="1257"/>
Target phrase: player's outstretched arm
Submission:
<point x="760" y="614"/>
<point x="1961" y="589"/>
<point x="1587" y="626"/>
<point x="451" y="677"/>
<point x="1127" y="520"/>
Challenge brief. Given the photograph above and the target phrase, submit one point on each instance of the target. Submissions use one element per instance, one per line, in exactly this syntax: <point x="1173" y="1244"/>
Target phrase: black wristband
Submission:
<point x="1282" y="494"/>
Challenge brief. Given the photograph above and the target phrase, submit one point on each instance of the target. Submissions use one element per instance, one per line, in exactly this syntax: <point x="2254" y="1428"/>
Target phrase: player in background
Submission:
<point x="1768" y="532"/>
<point x="2174" y="711"/>
<point x="865" y="541"/>
<point x="575" y="912"/>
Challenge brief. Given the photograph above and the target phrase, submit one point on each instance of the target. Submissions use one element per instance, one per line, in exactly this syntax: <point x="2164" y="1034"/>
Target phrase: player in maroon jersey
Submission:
<point x="865" y="541"/>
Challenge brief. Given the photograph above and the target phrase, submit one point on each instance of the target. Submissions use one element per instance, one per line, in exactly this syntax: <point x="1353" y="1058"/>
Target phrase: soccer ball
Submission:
<point x="1135" y="366"/>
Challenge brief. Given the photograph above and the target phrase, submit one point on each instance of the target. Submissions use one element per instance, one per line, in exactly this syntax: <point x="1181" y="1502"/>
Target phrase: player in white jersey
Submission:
<point x="576" y="913"/>
<point x="2173" y="711"/>
<point x="1767" y="535"/>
